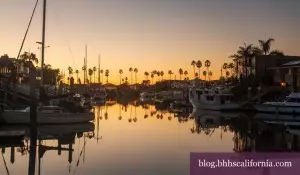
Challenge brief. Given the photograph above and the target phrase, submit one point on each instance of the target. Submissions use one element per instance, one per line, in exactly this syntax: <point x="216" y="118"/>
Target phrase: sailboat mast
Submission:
<point x="99" y="60"/>
<point x="85" y="63"/>
<point x="43" y="42"/>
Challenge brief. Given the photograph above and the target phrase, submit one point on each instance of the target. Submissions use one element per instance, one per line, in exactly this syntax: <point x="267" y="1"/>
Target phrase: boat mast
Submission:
<point x="85" y="64"/>
<point x="99" y="60"/>
<point x="43" y="42"/>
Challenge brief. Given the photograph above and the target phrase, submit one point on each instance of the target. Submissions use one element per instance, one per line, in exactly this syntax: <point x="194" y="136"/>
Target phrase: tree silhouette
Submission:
<point x="131" y="70"/>
<point x="193" y="63"/>
<point x="90" y="72"/>
<point x="264" y="48"/>
<point x="170" y="73"/>
<point x="120" y="72"/>
<point x="180" y="71"/>
<point x="207" y="64"/>
<point x="101" y="72"/>
<point x="94" y="70"/>
<point x="106" y="74"/>
<point x="185" y="74"/>
<point x="210" y="75"/>
<point x="152" y="76"/>
<point x="162" y="75"/>
<point x="244" y="56"/>
<point x="204" y="74"/>
<point x="136" y="71"/>
<point x="199" y="65"/>
<point x="77" y="72"/>
<point x="146" y="75"/>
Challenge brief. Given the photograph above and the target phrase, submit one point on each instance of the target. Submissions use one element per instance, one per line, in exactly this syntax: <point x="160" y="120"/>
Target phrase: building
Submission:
<point x="262" y="64"/>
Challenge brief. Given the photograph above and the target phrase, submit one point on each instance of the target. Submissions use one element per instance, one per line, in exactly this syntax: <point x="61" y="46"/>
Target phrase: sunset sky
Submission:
<point x="148" y="34"/>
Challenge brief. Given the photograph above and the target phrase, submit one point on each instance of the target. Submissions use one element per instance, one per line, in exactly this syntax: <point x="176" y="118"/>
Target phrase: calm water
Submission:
<point x="139" y="140"/>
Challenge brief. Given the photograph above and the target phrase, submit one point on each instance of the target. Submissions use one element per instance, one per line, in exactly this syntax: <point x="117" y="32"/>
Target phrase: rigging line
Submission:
<point x="27" y="29"/>
<point x="61" y="33"/>
<point x="7" y="171"/>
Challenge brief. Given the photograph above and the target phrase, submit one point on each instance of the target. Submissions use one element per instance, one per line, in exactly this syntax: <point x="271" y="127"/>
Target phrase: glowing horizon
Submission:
<point x="157" y="35"/>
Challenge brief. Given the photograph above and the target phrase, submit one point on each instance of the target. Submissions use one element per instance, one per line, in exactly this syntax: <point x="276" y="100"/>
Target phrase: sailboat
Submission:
<point x="45" y="114"/>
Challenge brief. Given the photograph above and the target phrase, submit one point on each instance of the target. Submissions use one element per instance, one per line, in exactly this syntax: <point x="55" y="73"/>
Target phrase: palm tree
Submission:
<point x="244" y="56"/>
<point x="185" y="74"/>
<point x="162" y="75"/>
<point x="70" y="70"/>
<point x="207" y="64"/>
<point x="231" y="67"/>
<point x="227" y="74"/>
<point x="130" y="70"/>
<point x="204" y="74"/>
<point x="106" y="74"/>
<point x="158" y="75"/>
<point x="90" y="72"/>
<point x="180" y="71"/>
<point x="170" y="73"/>
<point x="146" y="74"/>
<point x="84" y="69"/>
<point x="94" y="69"/>
<point x="209" y="75"/>
<point x="136" y="71"/>
<point x="77" y="72"/>
<point x="199" y="65"/>
<point x="120" y="72"/>
<point x="264" y="48"/>
<point x="29" y="57"/>
<point x="193" y="63"/>
<point x="101" y="72"/>
<point x="152" y="76"/>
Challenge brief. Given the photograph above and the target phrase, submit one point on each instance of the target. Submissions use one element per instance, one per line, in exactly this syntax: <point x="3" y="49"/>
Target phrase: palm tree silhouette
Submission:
<point x="106" y="74"/>
<point x="227" y="74"/>
<point x="146" y="75"/>
<point x="199" y="65"/>
<point x="193" y="63"/>
<point x="170" y="73"/>
<point x="94" y="70"/>
<point x="204" y="74"/>
<point x="207" y="64"/>
<point x="84" y="69"/>
<point x="29" y="57"/>
<point x="180" y="71"/>
<point x="130" y="70"/>
<point x="264" y="48"/>
<point x="136" y="71"/>
<point x="101" y="72"/>
<point x="152" y="76"/>
<point x="185" y="74"/>
<point x="231" y="67"/>
<point x="70" y="70"/>
<point x="90" y="72"/>
<point x="120" y="72"/>
<point x="158" y="75"/>
<point x="162" y="75"/>
<point x="244" y="56"/>
<point x="77" y="72"/>
<point x="210" y="75"/>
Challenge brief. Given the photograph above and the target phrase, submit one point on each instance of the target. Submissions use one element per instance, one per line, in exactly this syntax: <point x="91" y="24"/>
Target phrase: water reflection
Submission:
<point x="139" y="138"/>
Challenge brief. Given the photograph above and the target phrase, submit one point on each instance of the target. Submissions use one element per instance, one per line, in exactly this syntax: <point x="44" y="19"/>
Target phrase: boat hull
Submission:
<point x="46" y="118"/>
<point x="216" y="107"/>
<point x="277" y="109"/>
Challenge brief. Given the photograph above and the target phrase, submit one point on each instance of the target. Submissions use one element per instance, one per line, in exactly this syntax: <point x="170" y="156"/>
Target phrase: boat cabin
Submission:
<point x="212" y="96"/>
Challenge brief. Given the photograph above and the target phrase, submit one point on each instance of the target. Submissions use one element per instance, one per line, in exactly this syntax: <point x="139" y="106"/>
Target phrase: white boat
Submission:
<point x="147" y="96"/>
<point x="99" y="96"/>
<point x="45" y="115"/>
<point x="217" y="98"/>
<point x="290" y="105"/>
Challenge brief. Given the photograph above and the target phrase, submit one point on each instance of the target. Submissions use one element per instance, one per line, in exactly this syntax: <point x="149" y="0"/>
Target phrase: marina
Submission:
<point x="144" y="87"/>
